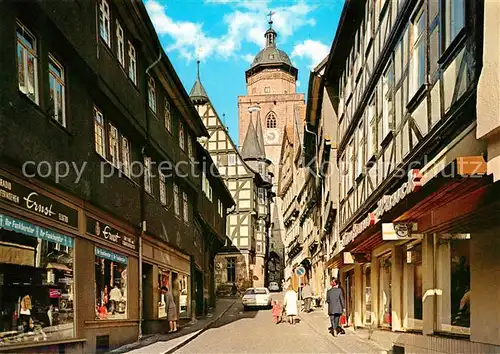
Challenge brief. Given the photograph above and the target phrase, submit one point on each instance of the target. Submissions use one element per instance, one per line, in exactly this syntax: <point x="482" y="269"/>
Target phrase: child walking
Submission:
<point x="276" y="312"/>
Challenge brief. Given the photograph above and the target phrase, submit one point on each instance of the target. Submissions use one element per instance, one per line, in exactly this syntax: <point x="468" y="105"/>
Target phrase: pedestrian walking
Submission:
<point x="336" y="306"/>
<point x="290" y="304"/>
<point x="277" y="310"/>
<point x="307" y="295"/>
<point x="171" y="309"/>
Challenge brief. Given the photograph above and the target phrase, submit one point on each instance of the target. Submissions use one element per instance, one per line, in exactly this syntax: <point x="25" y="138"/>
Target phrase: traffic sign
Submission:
<point x="300" y="271"/>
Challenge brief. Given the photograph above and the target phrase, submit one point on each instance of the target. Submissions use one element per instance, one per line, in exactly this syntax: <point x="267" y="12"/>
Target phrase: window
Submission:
<point x="267" y="89"/>
<point x="152" y="94"/>
<point x="168" y="118"/>
<point x="231" y="270"/>
<point x="454" y="277"/>
<point x="110" y="285"/>
<point x="104" y="22"/>
<point x="388" y="124"/>
<point x="27" y="63"/>
<point x="181" y="136"/>
<point x="163" y="192"/>
<point x="372" y="128"/>
<point x="147" y="174"/>
<point x="190" y="146"/>
<point x="205" y="186"/>
<point x="164" y="280"/>
<point x="231" y="159"/>
<point x="413" y="280"/>
<point x="125" y="156"/>
<point x="271" y="120"/>
<point x="113" y="145"/>
<point x="455" y="19"/>
<point x="57" y="91"/>
<point x="360" y="147"/>
<point x="185" y="206"/>
<point x="418" y="59"/>
<point x="350" y="164"/>
<point x="120" y="44"/>
<point x="385" y="286"/>
<point x="220" y="208"/>
<point x="36" y="273"/>
<point x="176" y="200"/>
<point x="132" y="63"/>
<point x="99" y="135"/>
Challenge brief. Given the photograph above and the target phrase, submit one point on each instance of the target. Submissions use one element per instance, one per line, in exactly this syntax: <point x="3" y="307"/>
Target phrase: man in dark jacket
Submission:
<point x="336" y="306"/>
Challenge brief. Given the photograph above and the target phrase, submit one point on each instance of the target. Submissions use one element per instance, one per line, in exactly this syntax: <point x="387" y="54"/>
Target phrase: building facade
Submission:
<point x="93" y="218"/>
<point x="271" y="100"/>
<point x="417" y="200"/>
<point x="241" y="260"/>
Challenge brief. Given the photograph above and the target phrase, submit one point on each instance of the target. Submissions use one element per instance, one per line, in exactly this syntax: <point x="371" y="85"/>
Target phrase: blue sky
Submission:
<point x="226" y="34"/>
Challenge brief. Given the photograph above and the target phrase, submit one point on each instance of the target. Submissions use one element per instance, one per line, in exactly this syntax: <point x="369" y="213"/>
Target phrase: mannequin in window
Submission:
<point x="25" y="314"/>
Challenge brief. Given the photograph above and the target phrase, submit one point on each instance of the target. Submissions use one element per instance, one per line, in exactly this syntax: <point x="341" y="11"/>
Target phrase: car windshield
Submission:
<point x="250" y="292"/>
<point x="260" y="291"/>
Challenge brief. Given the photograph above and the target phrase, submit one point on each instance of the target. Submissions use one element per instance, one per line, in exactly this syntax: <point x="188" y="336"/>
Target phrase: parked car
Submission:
<point x="256" y="297"/>
<point x="273" y="286"/>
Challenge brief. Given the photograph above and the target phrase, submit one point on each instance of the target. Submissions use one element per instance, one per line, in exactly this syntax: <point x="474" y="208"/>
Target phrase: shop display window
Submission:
<point x="180" y="291"/>
<point x="36" y="283"/>
<point x="164" y="278"/>
<point x="453" y="281"/>
<point x="110" y="285"/>
<point x="385" y="291"/>
<point x="413" y="279"/>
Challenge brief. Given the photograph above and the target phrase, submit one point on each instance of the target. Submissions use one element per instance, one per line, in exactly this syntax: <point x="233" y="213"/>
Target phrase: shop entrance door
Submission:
<point x="199" y="292"/>
<point x="147" y="295"/>
<point x="350" y="296"/>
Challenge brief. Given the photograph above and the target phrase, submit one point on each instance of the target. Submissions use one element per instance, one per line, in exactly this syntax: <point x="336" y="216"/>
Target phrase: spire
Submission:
<point x="198" y="94"/>
<point x="271" y="33"/>
<point x="251" y="148"/>
<point x="260" y="135"/>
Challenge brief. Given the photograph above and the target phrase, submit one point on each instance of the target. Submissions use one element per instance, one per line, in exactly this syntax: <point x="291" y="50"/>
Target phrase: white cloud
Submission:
<point x="297" y="83"/>
<point x="314" y="51"/>
<point x="245" y="24"/>
<point x="248" y="57"/>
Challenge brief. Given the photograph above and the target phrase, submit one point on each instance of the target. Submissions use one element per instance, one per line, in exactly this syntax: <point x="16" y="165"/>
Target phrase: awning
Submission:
<point x="58" y="266"/>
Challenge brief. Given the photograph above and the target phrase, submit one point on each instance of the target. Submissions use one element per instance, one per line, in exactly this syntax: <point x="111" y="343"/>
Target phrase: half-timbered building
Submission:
<point x="416" y="242"/>
<point x="241" y="261"/>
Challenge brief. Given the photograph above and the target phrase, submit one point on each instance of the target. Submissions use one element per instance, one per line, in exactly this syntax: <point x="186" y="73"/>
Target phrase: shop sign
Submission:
<point x="27" y="199"/>
<point x="28" y="229"/>
<point x="400" y="231"/>
<point x="385" y="204"/>
<point x="106" y="232"/>
<point x="115" y="257"/>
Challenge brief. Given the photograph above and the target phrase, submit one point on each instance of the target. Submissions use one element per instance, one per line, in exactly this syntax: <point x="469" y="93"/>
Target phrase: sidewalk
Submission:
<point x="166" y="343"/>
<point x="351" y="342"/>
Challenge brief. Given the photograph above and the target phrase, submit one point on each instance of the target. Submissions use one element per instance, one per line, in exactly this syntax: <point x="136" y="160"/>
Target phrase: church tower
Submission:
<point x="271" y="85"/>
<point x="267" y="109"/>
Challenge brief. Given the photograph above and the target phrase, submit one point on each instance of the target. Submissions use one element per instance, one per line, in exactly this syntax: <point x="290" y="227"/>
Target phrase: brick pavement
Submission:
<point x="169" y="342"/>
<point x="351" y="342"/>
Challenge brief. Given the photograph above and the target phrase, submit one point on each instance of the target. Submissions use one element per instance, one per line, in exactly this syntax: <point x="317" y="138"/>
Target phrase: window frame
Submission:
<point x="60" y="80"/>
<point x="120" y="44"/>
<point x="25" y="52"/>
<point x="132" y="63"/>
<point x="125" y="157"/>
<point x="152" y="94"/>
<point x="105" y="14"/>
<point x="113" y="145"/>
<point x="418" y="51"/>
<point x="99" y="127"/>
<point x="162" y="188"/>
<point x="182" y="139"/>
<point x="147" y="175"/>
<point x="231" y="269"/>
<point x="450" y="30"/>
<point x="271" y="121"/>
<point x="167" y="115"/>
<point x="177" y="211"/>
<point x="185" y="207"/>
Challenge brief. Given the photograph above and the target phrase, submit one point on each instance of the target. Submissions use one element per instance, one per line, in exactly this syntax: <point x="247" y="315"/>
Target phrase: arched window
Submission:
<point x="271" y="120"/>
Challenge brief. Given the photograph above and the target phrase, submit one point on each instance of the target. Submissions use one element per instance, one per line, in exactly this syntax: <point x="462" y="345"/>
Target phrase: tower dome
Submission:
<point x="271" y="57"/>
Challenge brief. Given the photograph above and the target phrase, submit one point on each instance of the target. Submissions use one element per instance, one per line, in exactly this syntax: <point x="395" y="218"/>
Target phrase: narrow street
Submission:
<point x="254" y="331"/>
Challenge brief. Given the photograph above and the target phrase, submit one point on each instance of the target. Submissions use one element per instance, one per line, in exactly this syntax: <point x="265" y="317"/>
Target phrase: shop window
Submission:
<point x="181" y="294"/>
<point x="231" y="269"/>
<point x="164" y="278"/>
<point x="385" y="294"/>
<point x="110" y="285"/>
<point x="413" y="279"/>
<point x="36" y="284"/>
<point x="453" y="279"/>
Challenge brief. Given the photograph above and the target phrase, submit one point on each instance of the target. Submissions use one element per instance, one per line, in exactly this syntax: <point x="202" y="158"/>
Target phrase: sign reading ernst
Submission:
<point x="28" y="199"/>
<point x="101" y="230"/>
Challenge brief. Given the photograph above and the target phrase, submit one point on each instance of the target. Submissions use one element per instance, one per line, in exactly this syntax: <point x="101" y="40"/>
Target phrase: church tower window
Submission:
<point x="271" y="120"/>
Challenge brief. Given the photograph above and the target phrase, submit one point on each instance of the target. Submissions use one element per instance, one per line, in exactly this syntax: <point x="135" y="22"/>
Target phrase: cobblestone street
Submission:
<point x="254" y="332"/>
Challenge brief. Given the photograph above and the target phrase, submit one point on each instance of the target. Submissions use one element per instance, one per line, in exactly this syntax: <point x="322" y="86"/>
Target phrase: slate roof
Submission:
<point x="198" y="93"/>
<point x="251" y="148"/>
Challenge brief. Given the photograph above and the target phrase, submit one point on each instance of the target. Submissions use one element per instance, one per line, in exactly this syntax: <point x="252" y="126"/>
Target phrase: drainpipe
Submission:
<point x="143" y="193"/>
